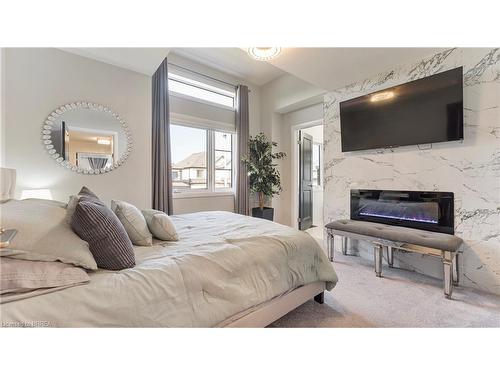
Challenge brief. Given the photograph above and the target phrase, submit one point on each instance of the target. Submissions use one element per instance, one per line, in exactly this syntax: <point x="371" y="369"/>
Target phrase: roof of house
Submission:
<point x="196" y="160"/>
<point x="199" y="160"/>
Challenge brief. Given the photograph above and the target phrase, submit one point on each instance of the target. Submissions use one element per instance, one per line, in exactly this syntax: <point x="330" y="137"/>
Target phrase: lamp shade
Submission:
<point x="36" y="193"/>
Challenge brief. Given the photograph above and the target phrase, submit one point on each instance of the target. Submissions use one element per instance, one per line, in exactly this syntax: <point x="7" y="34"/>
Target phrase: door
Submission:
<point x="305" y="181"/>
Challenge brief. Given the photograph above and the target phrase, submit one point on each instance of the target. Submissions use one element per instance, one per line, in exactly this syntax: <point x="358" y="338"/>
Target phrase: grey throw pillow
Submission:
<point x="73" y="201"/>
<point x="107" y="238"/>
<point x="87" y="192"/>
<point x="160" y="225"/>
<point x="133" y="222"/>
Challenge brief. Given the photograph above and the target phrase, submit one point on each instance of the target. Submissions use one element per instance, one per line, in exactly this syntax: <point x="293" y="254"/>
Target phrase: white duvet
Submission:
<point x="223" y="264"/>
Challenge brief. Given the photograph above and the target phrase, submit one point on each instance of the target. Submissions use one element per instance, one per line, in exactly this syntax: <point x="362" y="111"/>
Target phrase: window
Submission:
<point x="189" y="158"/>
<point x="202" y="159"/>
<point x="316" y="164"/>
<point x="201" y="91"/>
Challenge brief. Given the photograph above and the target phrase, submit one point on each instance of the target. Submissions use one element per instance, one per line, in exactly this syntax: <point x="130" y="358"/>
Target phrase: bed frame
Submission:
<point x="268" y="312"/>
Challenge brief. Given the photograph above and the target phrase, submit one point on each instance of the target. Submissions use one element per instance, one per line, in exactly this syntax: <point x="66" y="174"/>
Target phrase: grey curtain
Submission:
<point x="161" y="158"/>
<point x="97" y="162"/>
<point x="242" y="133"/>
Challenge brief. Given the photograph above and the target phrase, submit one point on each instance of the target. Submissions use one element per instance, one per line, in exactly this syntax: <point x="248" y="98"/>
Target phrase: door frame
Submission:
<point x="295" y="167"/>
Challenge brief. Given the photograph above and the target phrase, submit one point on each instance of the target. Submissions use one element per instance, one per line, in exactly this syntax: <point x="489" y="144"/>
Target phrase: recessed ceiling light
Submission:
<point x="386" y="95"/>
<point x="264" y="53"/>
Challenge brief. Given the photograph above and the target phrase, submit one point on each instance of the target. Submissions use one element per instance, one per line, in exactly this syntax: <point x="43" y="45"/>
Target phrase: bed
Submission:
<point x="227" y="270"/>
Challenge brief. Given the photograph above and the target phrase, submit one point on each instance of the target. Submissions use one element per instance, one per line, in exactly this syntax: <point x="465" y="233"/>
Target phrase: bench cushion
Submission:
<point x="441" y="241"/>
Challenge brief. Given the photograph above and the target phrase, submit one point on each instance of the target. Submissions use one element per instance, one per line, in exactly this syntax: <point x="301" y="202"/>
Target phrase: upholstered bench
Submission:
<point x="391" y="237"/>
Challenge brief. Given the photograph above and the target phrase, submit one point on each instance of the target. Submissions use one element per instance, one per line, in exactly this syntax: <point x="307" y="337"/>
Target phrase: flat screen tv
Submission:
<point x="427" y="110"/>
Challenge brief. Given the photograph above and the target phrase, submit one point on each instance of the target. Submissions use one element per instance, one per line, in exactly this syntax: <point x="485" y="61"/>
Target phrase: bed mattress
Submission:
<point x="223" y="264"/>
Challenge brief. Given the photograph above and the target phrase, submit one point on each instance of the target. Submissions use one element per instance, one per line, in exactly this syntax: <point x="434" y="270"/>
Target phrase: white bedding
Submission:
<point x="223" y="264"/>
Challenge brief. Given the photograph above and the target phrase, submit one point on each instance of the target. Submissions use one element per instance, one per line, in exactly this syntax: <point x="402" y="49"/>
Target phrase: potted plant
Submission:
<point x="264" y="176"/>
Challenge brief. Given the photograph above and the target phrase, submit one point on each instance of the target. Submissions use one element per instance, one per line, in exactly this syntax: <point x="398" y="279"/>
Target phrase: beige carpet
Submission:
<point x="399" y="299"/>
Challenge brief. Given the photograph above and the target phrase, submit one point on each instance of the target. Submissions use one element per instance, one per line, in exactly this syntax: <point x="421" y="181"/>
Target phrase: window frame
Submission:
<point x="211" y="191"/>
<point x="202" y="86"/>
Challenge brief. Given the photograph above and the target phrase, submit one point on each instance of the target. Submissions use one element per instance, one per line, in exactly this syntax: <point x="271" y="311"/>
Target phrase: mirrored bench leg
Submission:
<point x="377" y="251"/>
<point x="344" y="245"/>
<point x="456" y="277"/>
<point x="331" y="245"/>
<point x="390" y="258"/>
<point x="448" y="274"/>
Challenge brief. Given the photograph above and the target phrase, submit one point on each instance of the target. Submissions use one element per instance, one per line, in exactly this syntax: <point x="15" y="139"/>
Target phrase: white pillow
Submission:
<point x="134" y="223"/>
<point x="71" y="207"/>
<point x="43" y="233"/>
<point x="160" y="225"/>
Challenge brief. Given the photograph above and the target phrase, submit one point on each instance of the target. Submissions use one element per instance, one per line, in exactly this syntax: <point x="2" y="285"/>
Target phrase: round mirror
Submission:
<point x="87" y="138"/>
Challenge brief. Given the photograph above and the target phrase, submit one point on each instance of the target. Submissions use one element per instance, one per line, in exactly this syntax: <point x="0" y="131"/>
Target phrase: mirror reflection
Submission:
<point x="88" y="139"/>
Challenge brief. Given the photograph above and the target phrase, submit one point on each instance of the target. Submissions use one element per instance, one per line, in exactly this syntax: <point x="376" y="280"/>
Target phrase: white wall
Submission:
<point x="305" y="116"/>
<point x="470" y="168"/>
<point x="38" y="80"/>
<point x="316" y="132"/>
<point x="220" y="203"/>
<point x="279" y="97"/>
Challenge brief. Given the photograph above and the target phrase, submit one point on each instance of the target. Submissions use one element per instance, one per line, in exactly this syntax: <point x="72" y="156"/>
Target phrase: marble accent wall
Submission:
<point x="470" y="168"/>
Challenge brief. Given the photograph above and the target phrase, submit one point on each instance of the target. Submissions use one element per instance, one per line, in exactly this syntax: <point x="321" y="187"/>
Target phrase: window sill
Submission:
<point x="207" y="194"/>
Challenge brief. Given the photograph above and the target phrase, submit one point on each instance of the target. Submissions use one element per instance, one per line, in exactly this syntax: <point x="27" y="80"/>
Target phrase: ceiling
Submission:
<point x="326" y="68"/>
<point x="233" y="61"/>
<point x="332" y="68"/>
<point x="142" y="60"/>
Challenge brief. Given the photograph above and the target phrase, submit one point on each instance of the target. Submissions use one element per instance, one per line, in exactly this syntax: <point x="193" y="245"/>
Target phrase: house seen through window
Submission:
<point x="201" y="159"/>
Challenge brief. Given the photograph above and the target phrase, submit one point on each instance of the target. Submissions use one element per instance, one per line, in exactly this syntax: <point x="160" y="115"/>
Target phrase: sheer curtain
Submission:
<point x="242" y="132"/>
<point x="161" y="157"/>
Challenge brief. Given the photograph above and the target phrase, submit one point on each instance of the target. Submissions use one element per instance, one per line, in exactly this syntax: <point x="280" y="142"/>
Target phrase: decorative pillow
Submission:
<point x="160" y="225"/>
<point x="43" y="234"/>
<point x="107" y="238"/>
<point x="18" y="276"/>
<point x="133" y="222"/>
<point x="73" y="201"/>
<point x="70" y="208"/>
<point x="89" y="193"/>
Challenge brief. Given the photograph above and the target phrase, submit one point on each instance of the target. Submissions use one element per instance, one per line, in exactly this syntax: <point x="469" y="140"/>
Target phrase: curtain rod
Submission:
<point x="203" y="75"/>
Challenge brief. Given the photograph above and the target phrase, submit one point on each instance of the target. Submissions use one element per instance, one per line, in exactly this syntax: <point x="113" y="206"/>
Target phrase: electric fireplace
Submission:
<point x="428" y="210"/>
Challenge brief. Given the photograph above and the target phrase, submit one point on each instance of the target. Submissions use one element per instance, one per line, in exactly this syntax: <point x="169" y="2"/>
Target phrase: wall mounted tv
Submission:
<point x="427" y="110"/>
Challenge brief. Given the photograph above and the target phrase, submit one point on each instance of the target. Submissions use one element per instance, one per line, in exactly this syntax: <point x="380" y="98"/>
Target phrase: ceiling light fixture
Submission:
<point x="386" y="95"/>
<point x="264" y="53"/>
<point x="103" y="141"/>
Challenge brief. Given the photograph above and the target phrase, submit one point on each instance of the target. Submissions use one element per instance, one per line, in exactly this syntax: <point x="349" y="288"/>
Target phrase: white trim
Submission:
<point x="200" y="80"/>
<point x="295" y="167"/>
<point x="201" y="123"/>
<point x="199" y="100"/>
<point x="203" y="193"/>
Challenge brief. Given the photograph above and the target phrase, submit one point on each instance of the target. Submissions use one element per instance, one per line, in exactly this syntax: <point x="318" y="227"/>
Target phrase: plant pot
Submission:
<point x="266" y="213"/>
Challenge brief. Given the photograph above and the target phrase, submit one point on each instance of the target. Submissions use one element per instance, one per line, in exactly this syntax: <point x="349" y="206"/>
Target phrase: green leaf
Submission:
<point x="263" y="175"/>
